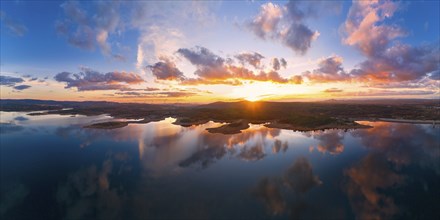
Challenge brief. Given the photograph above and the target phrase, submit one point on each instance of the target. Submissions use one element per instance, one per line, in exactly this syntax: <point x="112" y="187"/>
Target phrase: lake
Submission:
<point x="52" y="168"/>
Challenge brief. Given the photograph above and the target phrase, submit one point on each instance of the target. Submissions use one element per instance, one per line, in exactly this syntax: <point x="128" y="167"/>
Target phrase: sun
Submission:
<point x="255" y="91"/>
<point x="252" y="98"/>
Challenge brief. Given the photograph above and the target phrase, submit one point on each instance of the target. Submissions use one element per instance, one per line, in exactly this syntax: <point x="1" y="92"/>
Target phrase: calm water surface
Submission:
<point x="52" y="168"/>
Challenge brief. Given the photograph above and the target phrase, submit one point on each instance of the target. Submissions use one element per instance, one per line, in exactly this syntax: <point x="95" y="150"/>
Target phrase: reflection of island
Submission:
<point x="302" y="116"/>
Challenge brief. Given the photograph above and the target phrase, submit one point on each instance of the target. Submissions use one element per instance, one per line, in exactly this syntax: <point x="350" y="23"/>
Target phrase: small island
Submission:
<point x="108" y="125"/>
<point x="231" y="128"/>
<point x="298" y="116"/>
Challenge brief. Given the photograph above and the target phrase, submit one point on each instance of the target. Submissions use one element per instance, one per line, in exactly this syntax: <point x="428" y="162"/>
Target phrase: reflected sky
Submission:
<point x="52" y="168"/>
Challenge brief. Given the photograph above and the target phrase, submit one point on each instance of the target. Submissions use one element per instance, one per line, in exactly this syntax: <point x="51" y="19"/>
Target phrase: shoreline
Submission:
<point x="237" y="126"/>
<point x="410" y="121"/>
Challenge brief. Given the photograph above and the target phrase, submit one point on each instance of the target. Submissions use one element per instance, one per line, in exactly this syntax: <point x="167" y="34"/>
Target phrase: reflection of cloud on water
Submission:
<point x="8" y="128"/>
<point x="329" y="141"/>
<point x="21" y="118"/>
<point x="366" y="179"/>
<point x="299" y="177"/>
<point x="273" y="192"/>
<point x="89" y="192"/>
<point x="204" y="157"/>
<point x="252" y="153"/>
<point x="11" y="195"/>
<point x="394" y="146"/>
<point x="165" y="148"/>
<point x="279" y="146"/>
<point x="403" y="144"/>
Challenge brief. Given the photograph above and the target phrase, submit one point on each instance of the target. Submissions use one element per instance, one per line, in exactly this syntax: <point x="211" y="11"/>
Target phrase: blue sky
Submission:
<point x="45" y="38"/>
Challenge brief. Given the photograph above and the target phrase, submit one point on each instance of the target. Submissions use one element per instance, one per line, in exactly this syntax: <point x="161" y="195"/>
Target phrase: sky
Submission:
<point x="205" y="51"/>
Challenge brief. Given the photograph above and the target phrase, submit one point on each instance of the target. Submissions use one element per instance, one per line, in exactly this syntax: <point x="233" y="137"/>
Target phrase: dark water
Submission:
<point x="51" y="168"/>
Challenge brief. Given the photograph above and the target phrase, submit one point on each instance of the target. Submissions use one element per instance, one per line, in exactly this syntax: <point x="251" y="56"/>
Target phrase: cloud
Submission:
<point x="171" y="94"/>
<point x="278" y="63"/>
<point x="164" y="25"/>
<point x="89" y="79"/>
<point x="12" y="26"/>
<point x="265" y="24"/>
<point x="251" y="58"/>
<point x="332" y="90"/>
<point x="10" y="80"/>
<point x="86" y="31"/>
<point x="166" y="70"/>
<point x="213" y="69"/>
<point x="296" y="79"/>
<point x="387" y="60"/>
<point x="284" y="24"/>
<point x="400" y="63"/>
<point x="22" y="87"/>
<point x="365" y="29"/>
<point x="329" y="69"/>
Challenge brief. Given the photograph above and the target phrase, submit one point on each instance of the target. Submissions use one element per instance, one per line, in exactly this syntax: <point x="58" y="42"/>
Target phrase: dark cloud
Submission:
<point x="253" y="59"/>
<point x="12" y="26"/>
<point x="201" y="56"/>
<point x="272" y="20"/>
<point x="10" y="80"/>
<point x="283" y="63"/>
<point x="299" y="177"/>
<point x="299" y="38"/>
<point x="89" y="79"/>
<point x="22" y="87"/>
<point x="213" y="69"/>
<point x="166" y="70"/>
<point x="329" y="69"/>
<point x="276" y="65"/>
